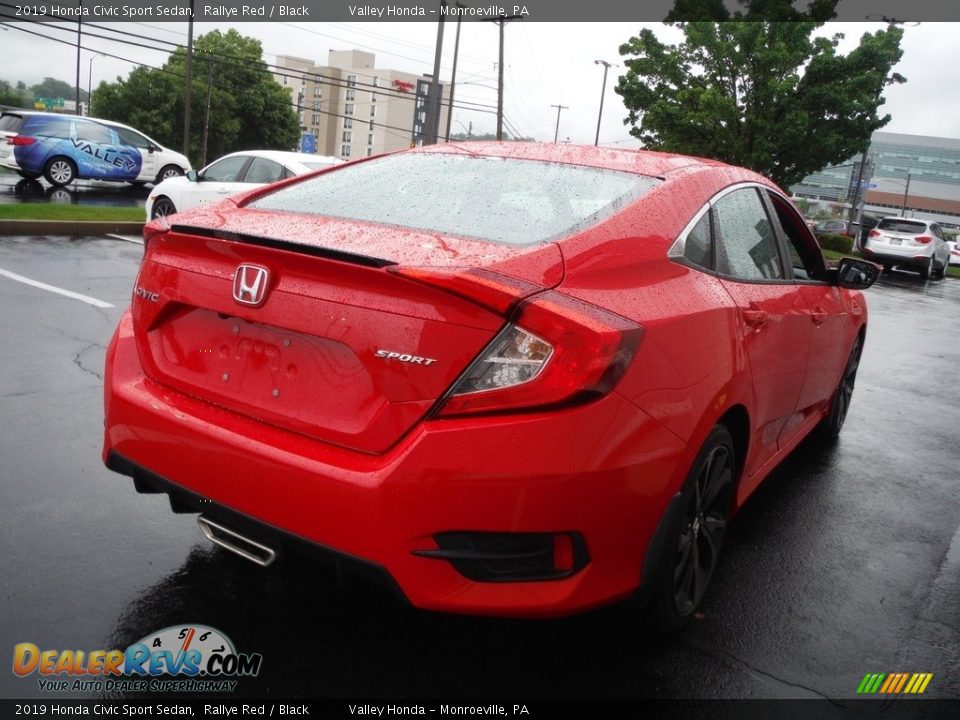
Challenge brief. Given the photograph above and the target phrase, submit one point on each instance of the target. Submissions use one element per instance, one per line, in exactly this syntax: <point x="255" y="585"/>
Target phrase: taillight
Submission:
<point x="556" y="351"/>
<point x="490" y="289"/>
<point x="874" y="233"/>
<point x="923" y="239"/>
<point x="21" y="140"/>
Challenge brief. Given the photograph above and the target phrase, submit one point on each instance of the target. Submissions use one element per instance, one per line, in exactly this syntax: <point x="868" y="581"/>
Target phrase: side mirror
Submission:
<point x="192" y="176"/>
<point x="855" y="274"/>
<point x="151" y="149"/>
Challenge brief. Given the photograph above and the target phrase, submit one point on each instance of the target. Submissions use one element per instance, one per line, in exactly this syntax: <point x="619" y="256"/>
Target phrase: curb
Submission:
<point x="71" y="228"/>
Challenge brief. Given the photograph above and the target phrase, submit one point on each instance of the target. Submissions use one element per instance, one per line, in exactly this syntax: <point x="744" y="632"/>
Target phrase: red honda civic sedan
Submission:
<point x="508" y="379"/>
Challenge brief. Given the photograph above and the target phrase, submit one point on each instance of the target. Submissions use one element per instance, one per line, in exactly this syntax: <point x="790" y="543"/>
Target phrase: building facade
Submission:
<point x="355" y="109"/>
<point x="912" y="174"/>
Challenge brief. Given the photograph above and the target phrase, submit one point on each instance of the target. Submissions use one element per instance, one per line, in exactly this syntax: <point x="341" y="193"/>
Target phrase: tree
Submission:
<point x="18" y="97"/>
<point x="56" y="89"/>
<point x="247" y="108"/>
<point x="765" y="95"/>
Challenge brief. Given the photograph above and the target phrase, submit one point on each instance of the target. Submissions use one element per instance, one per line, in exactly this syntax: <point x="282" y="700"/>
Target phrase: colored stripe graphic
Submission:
<point x="894" y="683"/>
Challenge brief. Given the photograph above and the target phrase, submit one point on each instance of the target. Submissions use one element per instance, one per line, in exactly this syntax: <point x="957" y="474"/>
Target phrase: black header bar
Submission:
<point x="429" y="11"/>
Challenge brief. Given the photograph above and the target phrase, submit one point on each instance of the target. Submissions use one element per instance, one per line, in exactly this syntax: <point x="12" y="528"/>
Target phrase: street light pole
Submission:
<point x="90" y="80"/>
<point x="603" y="90"/>
<point x="556" y="132"/>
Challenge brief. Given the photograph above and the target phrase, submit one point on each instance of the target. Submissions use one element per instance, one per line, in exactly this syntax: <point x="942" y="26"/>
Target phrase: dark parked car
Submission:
<point x="835" y="227"/>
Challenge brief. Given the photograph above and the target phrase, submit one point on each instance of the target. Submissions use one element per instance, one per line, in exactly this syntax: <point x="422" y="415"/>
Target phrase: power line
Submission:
<point x="406" y="132"/>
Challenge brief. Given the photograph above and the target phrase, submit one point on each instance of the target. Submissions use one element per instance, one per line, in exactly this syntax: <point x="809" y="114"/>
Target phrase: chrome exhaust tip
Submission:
<point x="236" y="543"/>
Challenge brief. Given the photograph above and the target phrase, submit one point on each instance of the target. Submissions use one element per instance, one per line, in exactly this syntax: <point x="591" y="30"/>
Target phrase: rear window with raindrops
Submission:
<point x="501" y="200"/>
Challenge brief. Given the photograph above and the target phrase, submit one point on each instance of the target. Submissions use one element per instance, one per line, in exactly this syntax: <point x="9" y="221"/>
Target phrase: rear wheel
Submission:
<point x="693" y="545"/>
<point x="28" y="175"/>
<point x="60" y="171"/>
<point x="832" y="424"/>
<point x="168" y="171"/>
<point x="927" y="270"/>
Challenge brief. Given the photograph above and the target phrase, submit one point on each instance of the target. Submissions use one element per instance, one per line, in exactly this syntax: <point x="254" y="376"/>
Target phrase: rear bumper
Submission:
<point x="605" y="471"/>
<point x="915" y="257"/>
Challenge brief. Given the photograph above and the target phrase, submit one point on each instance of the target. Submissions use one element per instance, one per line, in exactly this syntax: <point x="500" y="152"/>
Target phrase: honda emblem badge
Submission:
<point x="250" y="285"/>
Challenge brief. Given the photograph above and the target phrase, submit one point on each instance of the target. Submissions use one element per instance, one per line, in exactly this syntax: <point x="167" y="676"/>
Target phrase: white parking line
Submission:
<point x="127" y="238"/>
<point x="54" y="289"/>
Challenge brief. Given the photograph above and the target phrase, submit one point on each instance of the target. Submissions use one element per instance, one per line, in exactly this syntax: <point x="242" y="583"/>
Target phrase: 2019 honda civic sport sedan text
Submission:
<point x="510" y="379"/>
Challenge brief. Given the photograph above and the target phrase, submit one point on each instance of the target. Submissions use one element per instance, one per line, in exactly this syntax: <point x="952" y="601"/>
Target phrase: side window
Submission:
<point x="262" y="170"/>
<point x="129" y="137"/>
<point x="698" y="247"/>
<point x="225" y="170"/>
<point x="805" y="255"/>
<point x="746" y="244"/>
<point x="95" y="133"/>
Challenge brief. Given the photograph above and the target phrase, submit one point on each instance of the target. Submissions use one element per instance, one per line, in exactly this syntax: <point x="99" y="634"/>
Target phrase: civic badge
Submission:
<point x="250" y="285"/>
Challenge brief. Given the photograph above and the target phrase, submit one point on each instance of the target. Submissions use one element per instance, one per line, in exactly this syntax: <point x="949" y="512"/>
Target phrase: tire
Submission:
<point x="28" y="175"/>
<point x="942" y="272"/>
<point x="168" y="171"/>
<point x="832" y="424"/>
<point x="694" y="541"/>
<point x="162" y="207"/>
<point x="927" y="270"/>
<point x="60" y="171"/>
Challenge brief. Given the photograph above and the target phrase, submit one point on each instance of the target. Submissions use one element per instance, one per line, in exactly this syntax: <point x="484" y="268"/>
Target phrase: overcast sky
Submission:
<point x="546" y="64"/>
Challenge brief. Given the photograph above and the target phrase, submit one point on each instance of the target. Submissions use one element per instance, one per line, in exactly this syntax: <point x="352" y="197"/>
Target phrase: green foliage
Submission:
<point x="838" y="243"/>
<point x="765" y="95"/>
<point x="18" y="97"/>
<point x="248" y="109"/>
<point x="773" y="10"/>
<point x="53" y="89"/>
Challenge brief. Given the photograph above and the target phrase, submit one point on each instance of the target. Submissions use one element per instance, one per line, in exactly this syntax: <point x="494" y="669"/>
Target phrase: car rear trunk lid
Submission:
<point x="341" y="348"/>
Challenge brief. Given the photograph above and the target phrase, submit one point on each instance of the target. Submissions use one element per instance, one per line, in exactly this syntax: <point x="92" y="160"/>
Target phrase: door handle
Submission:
<point x="755" y="318"/>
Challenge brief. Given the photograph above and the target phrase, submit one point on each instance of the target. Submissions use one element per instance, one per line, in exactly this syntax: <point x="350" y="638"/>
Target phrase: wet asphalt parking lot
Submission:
<point x="15" y="190"/>
<point x="846" y="561"/>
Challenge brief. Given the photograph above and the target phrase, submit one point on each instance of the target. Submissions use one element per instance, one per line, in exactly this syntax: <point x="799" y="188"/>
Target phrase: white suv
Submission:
<point x="908" y="243"/>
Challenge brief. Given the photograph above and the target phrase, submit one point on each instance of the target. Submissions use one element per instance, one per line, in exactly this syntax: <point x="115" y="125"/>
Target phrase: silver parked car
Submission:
<point x="909" y="243"/>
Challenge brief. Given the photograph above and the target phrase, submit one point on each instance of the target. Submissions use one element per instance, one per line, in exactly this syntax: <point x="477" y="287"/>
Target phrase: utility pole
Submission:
<point x="603" y="90"/>
<point x="206" y="117"/>
<point x="556" y="132"/>
<point x="501" y="21"/>
<point x="188" y="94"/>
<point x="453" y="75"/>
<point x="906" y="191"/>
<point x="79" y="30"/>
<point x="433" y="104"/>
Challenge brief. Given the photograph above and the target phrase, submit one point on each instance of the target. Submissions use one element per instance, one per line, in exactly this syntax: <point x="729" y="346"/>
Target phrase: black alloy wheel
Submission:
<point x="698" y="533"/>
<point x="832" y="424"/>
